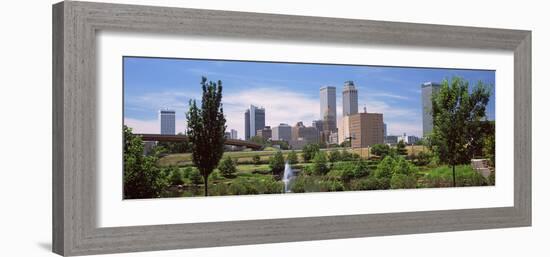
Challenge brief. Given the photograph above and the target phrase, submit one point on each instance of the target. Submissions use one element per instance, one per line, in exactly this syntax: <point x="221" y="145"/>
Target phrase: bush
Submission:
<point x="292" y="157"/>
<point x="422" y="158"/>
<point x="227" y="167"/>
<point x="335" y="156"/>
<point x="310" y="151"/>
<point x="195" y="177"/>
<point x="256" y="159"/>
<point x="401" y="148"/>
<point x="370" y="183"/>
<point x="320" y="164"/>
<point x="187" y="172"/>
<point x="403" y="181"/>
<point x="215" y="175"/>
<point x="465" y="176"/>
<point x="385" y="168"/>
<point x="380" y="150"/>
<point x="277" y="164"/>
<point x="347" y="175"/>
<point x="175" y="176"/>
<point x="242" y="186"/>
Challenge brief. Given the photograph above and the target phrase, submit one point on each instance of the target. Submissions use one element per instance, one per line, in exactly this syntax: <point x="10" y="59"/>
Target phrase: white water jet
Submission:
<point x="287" y="176"/>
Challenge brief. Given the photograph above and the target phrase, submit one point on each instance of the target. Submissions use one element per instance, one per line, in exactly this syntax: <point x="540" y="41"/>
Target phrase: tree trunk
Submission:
<point x="205" y="185"/>
<point x="454" y="180"/>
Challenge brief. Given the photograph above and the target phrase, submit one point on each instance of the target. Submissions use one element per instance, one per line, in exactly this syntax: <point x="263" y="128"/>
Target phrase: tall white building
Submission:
<point x="428" y="90"/>
<point x="349" y="99"/>
<point x="328" y="108"/>
<point x="167" y="119"/>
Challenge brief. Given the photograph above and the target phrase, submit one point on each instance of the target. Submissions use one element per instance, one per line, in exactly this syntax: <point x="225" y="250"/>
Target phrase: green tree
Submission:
<point x="309" y="151"/>
<point x="292" y="157"/>
<point x="277" y="164"/>
<point x="335" y="156"/>
<point x="457" y="117"/>
<point x="142" y="177"/>
<point x="176" y="147"/>
<point x="206" y="129"/>
<point x="401" y="148"/>
<point x="320" y="163"/>
<point x="385" y="168"/>
<point x="380" y="150"/>
<point x="227" y="167"/>
<point x="176" y="176"/>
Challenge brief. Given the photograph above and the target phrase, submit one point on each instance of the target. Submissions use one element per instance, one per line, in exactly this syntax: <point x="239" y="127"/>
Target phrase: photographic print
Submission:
<point x="197" y="127"/>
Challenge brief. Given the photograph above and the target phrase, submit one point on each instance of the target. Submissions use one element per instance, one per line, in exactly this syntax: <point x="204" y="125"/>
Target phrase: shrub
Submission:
<point x="292" y="157"/>
<point x="256" y="159"/>
<point x="380" y="150"/>
<point x="385" y="168"/>
<point x="176" y="176"/>
<point x="335" y="156"/>
<point x="465" y="176"/>
<point x="370" y="183"/>
<point x="215" y="175"/>
<point x="320" y="164"/>
<point x="309" y="152"/>
<point x="401" y="148"/>
<point x="361" y="169"/>
<point x="298" y="185"/>
<point x="277" y="164"/>
<point x="195" y="177"/>
<point x="402" y="181"/>
<point x="227" y="167"/>
<point x="187" y="172"/>
<point x="423" y="158"/>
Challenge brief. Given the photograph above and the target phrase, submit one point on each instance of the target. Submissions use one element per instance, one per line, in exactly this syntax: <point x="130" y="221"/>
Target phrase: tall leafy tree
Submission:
<point x="277" y="164"/>
<point x="142" y="176"/>
<point x="206" y="129"/>
<point x="458" y="115"/>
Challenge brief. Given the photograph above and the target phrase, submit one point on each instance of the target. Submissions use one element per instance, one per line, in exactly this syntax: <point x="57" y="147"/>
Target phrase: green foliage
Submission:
<point x="401" y="148"/>
<point x="195" y="177"/>
<point x="215" y="175"/>
<point x="309" y="151"/>
<point x="227" y="167"/>
<point x="370" y="183"/>
<point x="347" y="175"/>
<point x="292" y="157"/>
<point x="175" y="147"/>
<point x="489" y="143"/>
<point x="206" y="129"/>
<point x="176" y="176"/>
<point x="142" y="177"/>
<point x="422" y="158"/>
<point x="335" y="156"/>
<point x="277" y="164"/>
<point x="403" y="181"/>
<point x="380" y="150"/>
<point x="399" y="172"/>
<point x="260" y="140"/>
<point x="465" y="176"/>
<point x="256" y="159"/>
<point x="385" y="168"/>
<point x="187" y="172"/>
<point x="457" y="119"/>
<point x="242" y="186"/>
<point x="303" y="184"/>
<point x="320" y="164"/>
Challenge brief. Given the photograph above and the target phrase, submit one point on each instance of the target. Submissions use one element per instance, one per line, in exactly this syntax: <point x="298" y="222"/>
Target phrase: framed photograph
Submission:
<point x="183" y="128"/>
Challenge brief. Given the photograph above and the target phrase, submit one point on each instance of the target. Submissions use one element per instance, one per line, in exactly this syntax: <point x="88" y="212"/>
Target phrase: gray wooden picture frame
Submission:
<point x="75" y="25"/>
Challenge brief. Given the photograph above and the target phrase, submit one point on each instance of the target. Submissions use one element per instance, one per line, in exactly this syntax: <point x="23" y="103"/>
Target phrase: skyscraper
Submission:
<point x="328" y="108"/>
<point x="428" y="89"/>
<point x="349" y="99"/>
<point x="254" y="119"/>
<point x="283" y="132"/>
<point x="366" y="129"/>
<point x="167" y="119"/>
<point x="234" y="134"/>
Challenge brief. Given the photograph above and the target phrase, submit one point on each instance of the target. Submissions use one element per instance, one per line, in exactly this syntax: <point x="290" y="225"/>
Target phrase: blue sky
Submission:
<point x="288" y="91"/>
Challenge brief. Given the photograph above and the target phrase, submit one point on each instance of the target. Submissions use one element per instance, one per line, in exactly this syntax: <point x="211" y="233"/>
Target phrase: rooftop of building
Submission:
<point x="431" y="83"/>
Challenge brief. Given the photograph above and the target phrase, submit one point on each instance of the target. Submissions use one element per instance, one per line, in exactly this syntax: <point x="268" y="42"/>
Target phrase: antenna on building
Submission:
<point x="365" y="108"/>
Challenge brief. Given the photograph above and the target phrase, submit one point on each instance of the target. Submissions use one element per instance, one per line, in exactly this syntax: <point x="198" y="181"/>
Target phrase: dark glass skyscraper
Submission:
<point x="254" y="119"/>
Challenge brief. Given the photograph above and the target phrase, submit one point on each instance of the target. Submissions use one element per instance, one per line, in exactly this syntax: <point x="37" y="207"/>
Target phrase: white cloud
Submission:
<point x="281" y="106"/>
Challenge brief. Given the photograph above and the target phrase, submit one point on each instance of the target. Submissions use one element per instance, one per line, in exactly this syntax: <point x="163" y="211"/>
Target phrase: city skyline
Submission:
<point x="288" y="92"/>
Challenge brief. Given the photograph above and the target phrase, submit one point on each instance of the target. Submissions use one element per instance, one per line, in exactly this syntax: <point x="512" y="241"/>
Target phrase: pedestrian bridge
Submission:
<point x="183" y="138"/>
